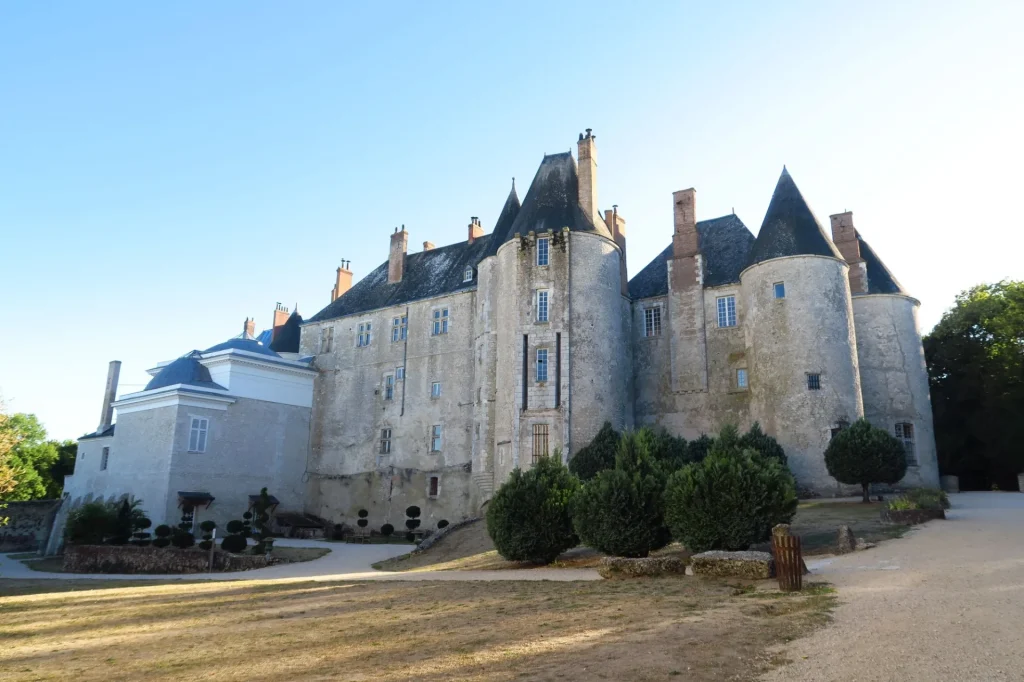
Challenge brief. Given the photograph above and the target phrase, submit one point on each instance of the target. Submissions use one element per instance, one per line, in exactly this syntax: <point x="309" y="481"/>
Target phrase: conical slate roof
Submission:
<point x="501" y="232"/>
<point x="880" y="278"/>
<point x="789" y="227"/>
<point x="287" y="338"/>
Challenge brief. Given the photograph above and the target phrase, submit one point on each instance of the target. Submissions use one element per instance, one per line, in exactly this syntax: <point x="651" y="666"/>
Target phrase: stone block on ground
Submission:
<point x="623" y="567"/>
<point x="753" y="565"/>
<point x="845" y="542"/>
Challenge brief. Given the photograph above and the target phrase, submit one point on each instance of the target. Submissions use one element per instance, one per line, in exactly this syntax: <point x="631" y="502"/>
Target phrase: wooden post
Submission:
<point x="789" y="563"/>
<point x="213" y="546"/>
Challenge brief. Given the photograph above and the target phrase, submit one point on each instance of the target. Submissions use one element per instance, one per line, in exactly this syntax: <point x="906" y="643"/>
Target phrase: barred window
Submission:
<point x="385" y="444"/>
<point x="104" y="459"/>
<point x="652" y="321"/>
<point x="440" y="321"/>
<point x="542" y="305"/>
<point x="905" y="433"/>
<point x="540" y="441"/>
<point x="814" y="382"/>
<point x="838" y="427"/>
<point x="543" y="244"/>
<point x="727" y="311"/>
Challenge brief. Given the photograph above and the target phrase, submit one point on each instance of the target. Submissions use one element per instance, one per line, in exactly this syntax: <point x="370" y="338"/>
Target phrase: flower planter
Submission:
<point x="911" y="517"/>
<point x="951" y="484"/>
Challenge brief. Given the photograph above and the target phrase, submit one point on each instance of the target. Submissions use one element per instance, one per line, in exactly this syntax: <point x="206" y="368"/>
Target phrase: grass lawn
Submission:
<point x="647" y="629"/>
<point x="817" y="523"/>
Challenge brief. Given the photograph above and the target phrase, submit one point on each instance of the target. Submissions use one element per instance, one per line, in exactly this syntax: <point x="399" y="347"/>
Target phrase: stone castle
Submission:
<point x="428" y="381"/>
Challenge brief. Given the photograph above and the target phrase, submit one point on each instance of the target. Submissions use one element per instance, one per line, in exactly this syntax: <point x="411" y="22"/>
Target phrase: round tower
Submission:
<point x="799" y="328"/>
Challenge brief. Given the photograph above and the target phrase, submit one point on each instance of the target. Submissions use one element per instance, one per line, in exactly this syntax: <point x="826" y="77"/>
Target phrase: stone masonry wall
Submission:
<point x="28" y="526"/>
<point x="130" y="559"/>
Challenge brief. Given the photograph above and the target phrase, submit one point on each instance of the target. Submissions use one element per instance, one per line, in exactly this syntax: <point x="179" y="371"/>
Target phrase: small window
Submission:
<point x="837" y="428"/>
<point x="905" y="433"/>
<point x="400" y="373"/>
<point x="780" y="290"/>
<point x="540" y="441"/>
<point x="435" y="389"/>
<point x="326" y="339"/>
<point x="399" y="325"/>
<point x="440" y="321"/>
<point x="365" y="332"/>
<point x="467" y="275"/>
<point x="435" y="438"/>
<point x="542" y="305"/>
<point x="727" y="311"/>
<point x="385" y="444"/>
<point x="741" y="378"/>
<point x="542" y="364"/>
<point x="197" y="434"/>
<point x="389" y="387"/>
<point x="434" y="485"/>
<point x="813" y="382"/>
<point x="543" y="244"/>
<point x="652" y="321"/>
<point x="104" y="458"/>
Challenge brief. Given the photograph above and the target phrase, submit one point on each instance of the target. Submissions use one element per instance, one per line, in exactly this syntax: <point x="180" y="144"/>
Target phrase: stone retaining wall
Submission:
<point x="29" y="525"/>
<point x="131" y="559"/>
<point x="911" y="517"/>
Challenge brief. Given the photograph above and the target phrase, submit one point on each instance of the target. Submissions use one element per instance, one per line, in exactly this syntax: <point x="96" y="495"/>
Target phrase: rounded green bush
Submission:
<point x="765" y="445"/>
<point x="729" y="501"/>
<point x="412" y="512"/>
<point x="182" y="539"/>
<point x="234" y="544"/>
<point x="863" y="454"/>
<point x="206" y="545"/>
<point x="363" y="523"/>
<point x="161" y="542"/>
<point x="363" y="513"/>
<point x="443" y="523"/>
<point x="142" y="523"/>
<point x="207" y="526"/>
<point x="410" y="537"/>
<point x="528" y="519"/>
<point x="162" y="531"/>
<point x="597" y="455"/>
<point x="412" y="524"/>
<point x="387" y="529"/>
<point x="235" y="526"/>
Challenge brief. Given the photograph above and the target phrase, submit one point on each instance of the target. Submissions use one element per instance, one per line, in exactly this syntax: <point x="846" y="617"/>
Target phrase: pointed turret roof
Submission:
<point x="500" y="234"/>
<point x="880" y="278"/>
<point x="789" y="227"/>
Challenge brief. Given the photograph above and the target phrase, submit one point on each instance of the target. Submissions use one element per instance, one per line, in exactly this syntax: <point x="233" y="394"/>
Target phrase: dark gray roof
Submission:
<point x="109" y="431"/>
<point x="551" y="203"/>
<point x="264" y="336"/>
<point x="426" y="274"/>
<point x="185" y="370"/>
<point x="789" y="227"/>
<point x="724" y="244"/>
<point x="880" y="278"/>
<point x="502" y="231"/>
<point x="287" y="338"/>
<point x="238" y="343"/>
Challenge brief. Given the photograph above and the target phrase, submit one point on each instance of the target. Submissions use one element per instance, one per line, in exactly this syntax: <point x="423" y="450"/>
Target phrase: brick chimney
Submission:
<point x="475" y="229"/>
<point x="280" y="317"/>
<point x="844" y="236"/>
<point x="343" y="282"/>
<point x="396" y="259"/>
<point x="427" y="246"/>
<point x="684" y="218"/>
<point x="107" y="415"/>
<point x="617" y="225"/>
<point x="586" y="153"/>
<point x="686" y="298"/>
<point x="249" y="327"/>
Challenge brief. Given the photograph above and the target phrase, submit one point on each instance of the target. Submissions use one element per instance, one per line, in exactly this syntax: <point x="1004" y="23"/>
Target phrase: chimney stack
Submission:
<point x="396" y="258"/>
<point x="844" y="236"/>
<point x="475" y="229"/>
<point x="107" y="416"/>
<point x="427" y="246"/>
<point x="343" y="282"/>
<point x="617" y="225"/>
<point x="684" y="236"/>
<point x="280" y="317"/>
<point x="249" y="328"/>
<point x="586" y="153"/>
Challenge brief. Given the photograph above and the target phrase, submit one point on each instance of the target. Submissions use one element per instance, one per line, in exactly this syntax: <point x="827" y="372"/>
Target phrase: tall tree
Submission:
<point x="975" y="359"/>
<point x="31" y="458"/>
<point x="8" y="439"/>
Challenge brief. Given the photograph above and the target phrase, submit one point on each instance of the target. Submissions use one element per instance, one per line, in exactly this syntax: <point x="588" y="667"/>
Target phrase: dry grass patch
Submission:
<point x="648" y="629"/>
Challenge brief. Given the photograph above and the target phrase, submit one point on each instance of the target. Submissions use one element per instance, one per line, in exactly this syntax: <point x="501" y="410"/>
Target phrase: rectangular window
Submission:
<point x="780" y="290"/>
<point x="542" y="364"/>
<point x="837" y="428"/>
<point x="326" y="339"/>
<point x="399" y="325"/>
<point x="467" y="275"/>
<point x="813" y="382"/>
<point x="365" y="332"/>
<point x="400" y="373"/>
<point x="385" y="444"/>
<point x="434" y="485"/>
<point x="540" y="441"/>
<point x="727" y="311"/>
<point x="435" y="438"/>
<point x="389" y="387"/>
<point x="435" y="389"/>
<point x="905" y="433"/>
<point x="741" y="378"/>
<point x="542" y="305"/>
<point x="652" y="321"/>
<point x="543" y="244"/>
<point x="106" y="456"/>
<point x="197" y="435"/>
<point x="440" y="321"/>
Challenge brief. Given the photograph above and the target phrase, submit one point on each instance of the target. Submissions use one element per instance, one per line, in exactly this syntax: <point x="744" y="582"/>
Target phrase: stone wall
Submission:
<point x="29" y="525"/>
<point x="129" y="559"/>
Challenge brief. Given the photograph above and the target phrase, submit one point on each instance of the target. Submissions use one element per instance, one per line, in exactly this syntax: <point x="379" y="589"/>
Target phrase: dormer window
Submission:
<point x="467" y="276"/>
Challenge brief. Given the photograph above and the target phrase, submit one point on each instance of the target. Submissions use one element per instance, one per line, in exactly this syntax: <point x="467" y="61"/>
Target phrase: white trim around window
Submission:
<point x="199" y="433"/>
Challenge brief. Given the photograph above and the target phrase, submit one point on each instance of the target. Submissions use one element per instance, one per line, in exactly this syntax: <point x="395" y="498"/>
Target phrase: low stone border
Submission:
<point x="623" y="567"/>
<point x="753" y="565"/>
<point x="131" y="559"/>
<point x="911" y="517"/>
<point x="430" y="541"/>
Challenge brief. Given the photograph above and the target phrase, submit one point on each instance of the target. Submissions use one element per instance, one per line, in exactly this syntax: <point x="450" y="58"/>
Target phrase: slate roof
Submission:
<point x="551" y="203"/>
<point x="724" y="243"/>
<point x="185" y="370"/>
<point x="109" y="431"/>
<point x="287" y="339"/>
<point x="789" y="227"/>
<point x="238" y="343"/>
<point x="880" y="278"/>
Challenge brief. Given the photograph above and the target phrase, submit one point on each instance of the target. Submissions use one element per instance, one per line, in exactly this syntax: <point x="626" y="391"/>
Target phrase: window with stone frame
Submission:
<point x="326" y="339"/>
<point x="652" y="321"/>
<point x="779" y="289"/>
<point x="813" y="381"/>
<point x="741" y="378"/>
<point x="540" y="441"/>
<point x="385" y="443"/>
<point x="389" y="387"/>
<point x="435" y="389"/>
<point x="543" y="250"/>
<point x="198" y="433"/>
<point x="440" y="322"/>
<point x="436" y="435"/>
<point x="726" y="311"/>
<point x="399" y="328"/>
<point x="542" y="365"/>
<point x="104" y="459"/>
<point x="400" y="373"/>
<point x="364" y="335"/>
<point x="434" y="486"/>
<point x="542" y="305"/>
<point x="905" y="434"/>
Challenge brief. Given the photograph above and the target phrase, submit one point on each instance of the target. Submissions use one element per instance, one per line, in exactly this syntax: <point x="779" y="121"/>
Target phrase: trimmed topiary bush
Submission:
<point x="862" y="454"/>
<point x="207" y="527"/>
<point x="729" y="501"/>
<point x="596" y="456"/>
<point x="235" y="544"/>
<point x="182" y="539"/>
<point x="443" y="523"/>
<point x="235" y="527"/>
<point x="163" y="535"/>
<point x="620" y="511"/>
<point x="363" y="522"/>
<point x="765" y="445"/>
<point x="387" y="529"/>
<point x="413" y="522"/>
<point x="528" y="519"/>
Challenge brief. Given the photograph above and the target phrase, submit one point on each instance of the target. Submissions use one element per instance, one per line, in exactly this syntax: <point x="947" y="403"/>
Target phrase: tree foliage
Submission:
<point x="975" y="359"/>
<point x="863" y="454"/>
<point x="597" y="455"/>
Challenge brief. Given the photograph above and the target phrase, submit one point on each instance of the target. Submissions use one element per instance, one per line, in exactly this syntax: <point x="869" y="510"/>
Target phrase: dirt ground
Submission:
<point x="653" y="629"/>
<point x="816" y="521"/>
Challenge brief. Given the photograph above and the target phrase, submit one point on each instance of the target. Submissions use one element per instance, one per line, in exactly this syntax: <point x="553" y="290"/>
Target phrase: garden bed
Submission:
<point x="911" y="517"/>
<point x="158" y="560"/>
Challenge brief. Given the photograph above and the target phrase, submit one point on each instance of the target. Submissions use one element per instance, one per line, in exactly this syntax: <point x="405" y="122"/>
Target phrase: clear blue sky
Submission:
<point x="167" y="169"/>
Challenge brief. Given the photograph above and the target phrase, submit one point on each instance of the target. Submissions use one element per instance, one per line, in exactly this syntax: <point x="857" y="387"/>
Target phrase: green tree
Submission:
<point x="8" y="439"/>
<point x="67" y="454"/>
<point x="597" y="455"/>
<point x="31" y="458"/>
<point x="767" y="446"/>
<point x="864" y="454"/>
<point x="975" y="359"/>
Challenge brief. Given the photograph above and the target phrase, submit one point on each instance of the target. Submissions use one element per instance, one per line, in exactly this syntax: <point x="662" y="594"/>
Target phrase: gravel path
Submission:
<point x="944" y="603"/>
